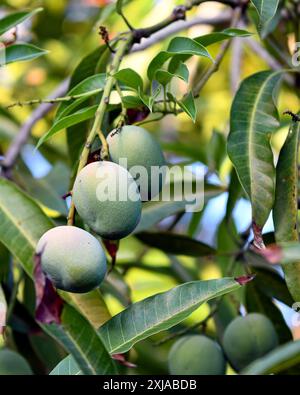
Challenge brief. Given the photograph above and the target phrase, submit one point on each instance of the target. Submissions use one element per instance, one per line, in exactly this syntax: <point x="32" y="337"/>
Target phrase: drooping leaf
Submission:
<point x="14" y="19"/>
<point x="160" y="312"/>
<point x="22" y="52"/>
<point x="285" y="212"/>
<point x="175" y="244"/>
<point x="234" y="193"/>
<point x="188" y="106"/>
<point x="271" y="283"/>
<point x="282" y="358"/>
<point x="252" y="122"/>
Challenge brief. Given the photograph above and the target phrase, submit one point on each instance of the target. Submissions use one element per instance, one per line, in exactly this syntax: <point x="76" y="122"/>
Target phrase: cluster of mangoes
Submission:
<point x="245" y="340"/>
<point x="72" y="257"/>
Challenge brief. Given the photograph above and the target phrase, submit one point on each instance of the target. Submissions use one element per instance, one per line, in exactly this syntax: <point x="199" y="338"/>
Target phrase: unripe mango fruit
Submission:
<point x="72" y="258"/>
<point x="248" y="338"/>
<point x="196" y="355"/>
<point x="139" y="148"/>
<point x="12" y="363"/>
<point x="107" y="199"/>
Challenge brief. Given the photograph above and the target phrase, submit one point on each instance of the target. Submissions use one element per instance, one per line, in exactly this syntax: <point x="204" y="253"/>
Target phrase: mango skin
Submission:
<point x="113" y="218"/>
<point x="248" y="338"/>
<point x="72" y="258"/>
<point x="12" y="363"/>
<point x="139" y="147"/>
<point x="196" y="355"/>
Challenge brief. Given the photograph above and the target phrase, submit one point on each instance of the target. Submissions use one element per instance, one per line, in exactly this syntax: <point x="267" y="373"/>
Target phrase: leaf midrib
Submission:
<point x="252" y="130"/>
<point x="134" y="338"/>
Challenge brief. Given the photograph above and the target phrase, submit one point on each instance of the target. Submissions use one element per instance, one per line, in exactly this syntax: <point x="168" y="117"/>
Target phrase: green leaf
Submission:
<point x="234" y="193"/>
<point x="266" y="10"/>
<point x="215" y="37"/>
<point x="85" y="344"/>
<point x="89" y="66"/>
<point x="66" y="367"/>
<point x="187" y="46"/>
<point x="22" y="52"/>
<point x="282" y="358"/>
<point x="285" y="212"/>
<point x="160" y="312"/>
<point x="130" y="78"/>
<point x="91" y="305"/>
<point x="132" y="101"/>
<point x="270" y="282"/>
<point x="119" y="6"/>
<point x="22" y="223"/>
<point x="5" y="260"/>
<point x="70" y="120"/>
<point x="175" y="244"/>
<point x="188" y="106"/>
<point x="177" y="46"/>
<point x="88" y="87"/>
<point x="206" y="40"/>
<point x="149" y="100"/>
<point x="15" y="19"/>
<point x="253" y="120"/>
<point x="164" y="76"/>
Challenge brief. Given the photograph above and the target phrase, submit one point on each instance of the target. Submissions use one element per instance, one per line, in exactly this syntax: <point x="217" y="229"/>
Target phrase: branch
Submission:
<point x="179" y="13"/>
<point x="124" y="46"/>
<point x="181" y="25"/>
<point x="236" y="64"/>
<point x="21" y="138"/>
